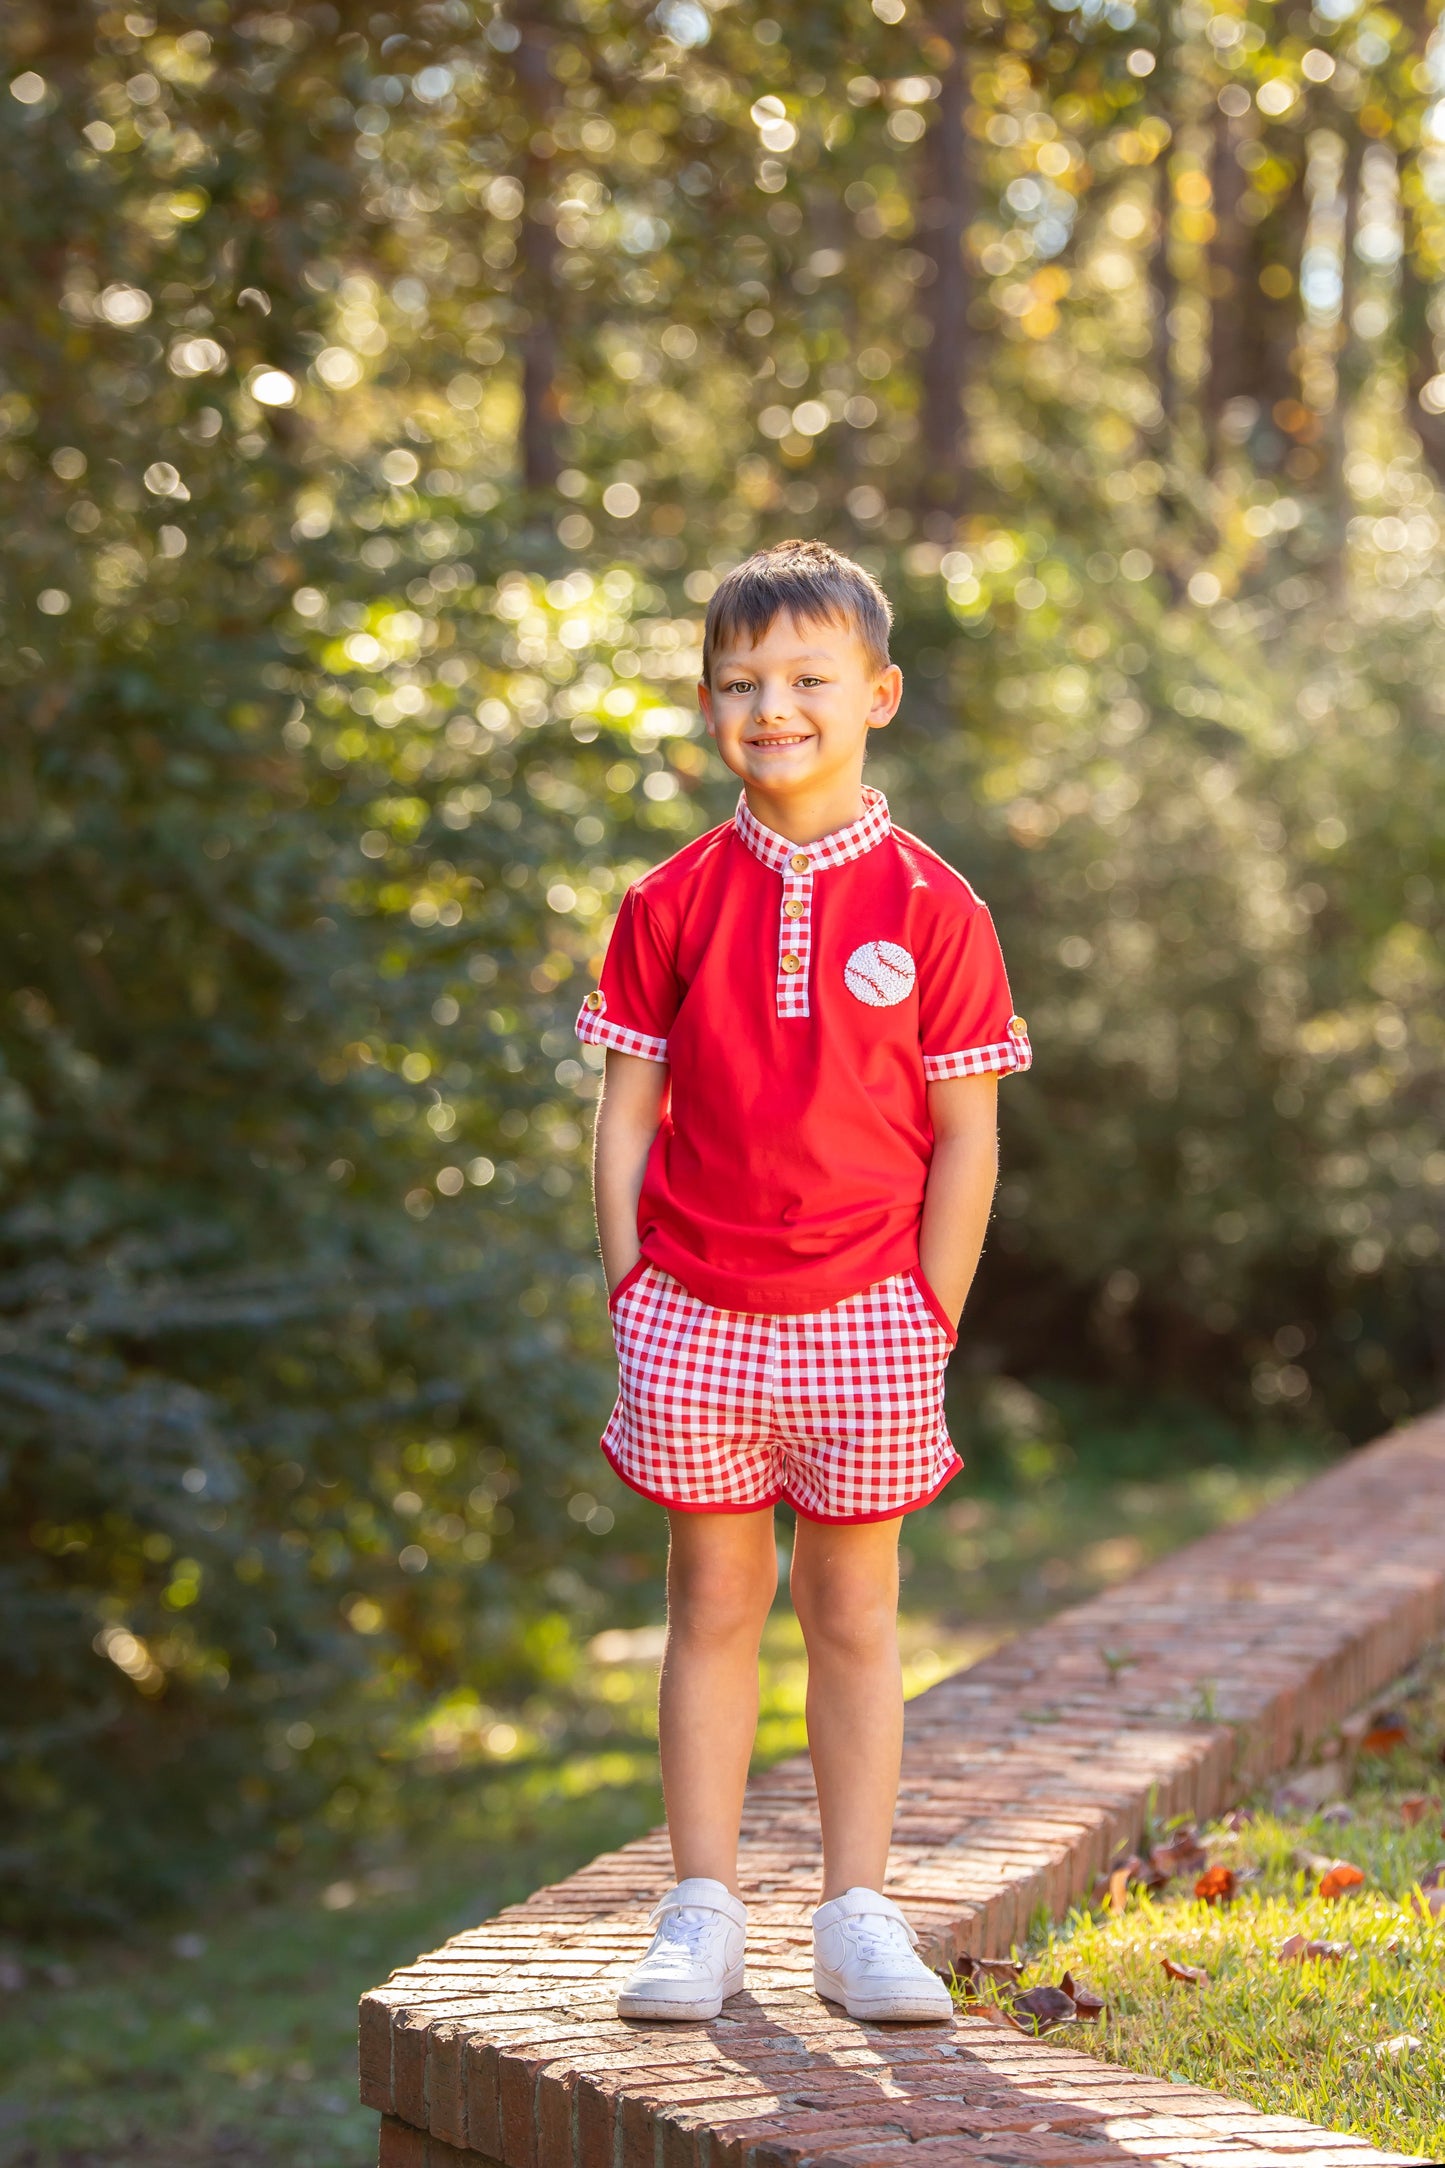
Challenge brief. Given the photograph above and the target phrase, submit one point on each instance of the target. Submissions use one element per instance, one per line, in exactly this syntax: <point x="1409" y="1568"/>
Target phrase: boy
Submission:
<point x="806" y="1015"/>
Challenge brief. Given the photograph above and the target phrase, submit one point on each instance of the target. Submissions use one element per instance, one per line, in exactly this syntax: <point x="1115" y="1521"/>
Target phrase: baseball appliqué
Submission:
<point x="880" y="974"/>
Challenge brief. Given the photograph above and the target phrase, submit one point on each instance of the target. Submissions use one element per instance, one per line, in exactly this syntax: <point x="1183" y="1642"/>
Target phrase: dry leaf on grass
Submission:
<point x="1305" y="1790"/>
<point x="1414" y="1807"/>
<point x="1397" y="2049"/>
<point x="1181" y="1853"/>
<point x="1191" y="1975"/>
<point x="1217" y="1885"/>
<point x="1296" y="1948"/>
<point x="1338" y="1814"/>
<point x="1387" y="1730"/>
<point x="1045" y="2006"/>
<point x="1238" y="1818"/>
<point x="1002" y="1969"/>
<point x="1429" y="1903"/>
<point x="1340" y="1878"/>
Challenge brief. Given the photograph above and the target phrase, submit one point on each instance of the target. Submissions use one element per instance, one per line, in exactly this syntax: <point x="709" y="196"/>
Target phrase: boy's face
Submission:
<point x="791" y="711"/>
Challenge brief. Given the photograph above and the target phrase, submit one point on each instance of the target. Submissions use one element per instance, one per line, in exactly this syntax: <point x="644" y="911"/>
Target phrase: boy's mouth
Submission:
<point x="778" y="741"/>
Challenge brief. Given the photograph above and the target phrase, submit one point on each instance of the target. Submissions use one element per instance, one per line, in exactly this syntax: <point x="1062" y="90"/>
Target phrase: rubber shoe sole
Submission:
<point x="678" y="2009"/>
<point x="900" y="2005"/>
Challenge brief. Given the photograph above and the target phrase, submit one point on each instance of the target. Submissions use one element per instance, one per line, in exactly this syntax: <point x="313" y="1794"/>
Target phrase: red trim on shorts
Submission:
<point x="889" y="1513"/>
<point x="632" y="1274"/>
<point x="936" y="1309"/>
<point x="674" y="1505"/>
<point x="781" y="1498"/>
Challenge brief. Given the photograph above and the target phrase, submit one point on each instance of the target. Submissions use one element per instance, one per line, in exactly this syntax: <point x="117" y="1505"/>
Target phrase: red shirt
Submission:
<point x="804" y="996"/>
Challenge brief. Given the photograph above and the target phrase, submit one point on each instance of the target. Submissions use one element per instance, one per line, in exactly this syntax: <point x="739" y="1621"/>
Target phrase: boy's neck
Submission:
<point x="807" y="816"/>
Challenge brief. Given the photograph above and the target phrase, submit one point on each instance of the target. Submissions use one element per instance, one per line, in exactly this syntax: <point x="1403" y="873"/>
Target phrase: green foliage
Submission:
<point x="380" y="404"/>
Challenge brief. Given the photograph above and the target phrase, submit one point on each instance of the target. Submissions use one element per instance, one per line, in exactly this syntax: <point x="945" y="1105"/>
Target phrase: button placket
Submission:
<point x="795" y="936"/>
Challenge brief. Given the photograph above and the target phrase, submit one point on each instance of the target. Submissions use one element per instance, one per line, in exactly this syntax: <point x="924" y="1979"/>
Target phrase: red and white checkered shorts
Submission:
<point x="838" y="1412"/>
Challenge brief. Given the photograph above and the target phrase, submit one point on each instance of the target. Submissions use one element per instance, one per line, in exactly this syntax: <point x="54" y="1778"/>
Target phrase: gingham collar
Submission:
<point x="871" y="828"/>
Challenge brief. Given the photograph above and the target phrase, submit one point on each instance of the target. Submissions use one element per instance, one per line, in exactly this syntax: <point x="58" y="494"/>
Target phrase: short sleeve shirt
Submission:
<point x="804" y="997"/>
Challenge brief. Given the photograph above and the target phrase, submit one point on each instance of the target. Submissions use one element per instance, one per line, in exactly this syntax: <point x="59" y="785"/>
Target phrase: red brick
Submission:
<point x="401" y="2146"/>
<point x="481" y="2089"/>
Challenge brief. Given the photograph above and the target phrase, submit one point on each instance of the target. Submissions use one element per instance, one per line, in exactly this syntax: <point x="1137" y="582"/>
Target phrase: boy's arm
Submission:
<point x="961" y="1181"/>
<point x="628" y="1114"/>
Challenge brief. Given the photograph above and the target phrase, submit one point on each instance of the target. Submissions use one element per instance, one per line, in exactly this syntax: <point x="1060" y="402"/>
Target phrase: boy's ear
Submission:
<point x="704" y="701"/>
<point x="887" y="694"/>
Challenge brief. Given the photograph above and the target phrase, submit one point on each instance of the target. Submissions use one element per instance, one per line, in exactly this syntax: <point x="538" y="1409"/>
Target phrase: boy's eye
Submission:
<point x="810" y="681"/>
<point x="738" y="685"/>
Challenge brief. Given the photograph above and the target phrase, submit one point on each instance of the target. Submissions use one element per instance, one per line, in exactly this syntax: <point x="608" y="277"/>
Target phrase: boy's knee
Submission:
<point x="716" y="1598"/>
<point x="847" y="1617"/>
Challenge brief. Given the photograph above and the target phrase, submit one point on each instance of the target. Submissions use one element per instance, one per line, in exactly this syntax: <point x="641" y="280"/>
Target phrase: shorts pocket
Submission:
<point x="934" y="1307"/>
<point x="628" y="1281"/>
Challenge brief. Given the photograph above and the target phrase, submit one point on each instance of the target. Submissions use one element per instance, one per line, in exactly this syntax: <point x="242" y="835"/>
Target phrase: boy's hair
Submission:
<point x="807" y="581"/>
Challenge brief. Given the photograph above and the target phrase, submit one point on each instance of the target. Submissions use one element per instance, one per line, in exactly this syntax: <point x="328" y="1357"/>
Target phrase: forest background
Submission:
<point x="381" y="397"/>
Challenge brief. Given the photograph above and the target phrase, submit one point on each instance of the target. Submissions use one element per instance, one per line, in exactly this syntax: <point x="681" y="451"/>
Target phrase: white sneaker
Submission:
<point x="696" y="1958"/>
<point x="865" y="1956"/>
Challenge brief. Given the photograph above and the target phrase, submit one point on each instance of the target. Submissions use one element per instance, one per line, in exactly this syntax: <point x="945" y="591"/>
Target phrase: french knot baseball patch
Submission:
<point x="880" y="974"/>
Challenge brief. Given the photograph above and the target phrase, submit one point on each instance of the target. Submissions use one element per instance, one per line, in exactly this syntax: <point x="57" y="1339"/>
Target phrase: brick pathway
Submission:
<point x="1021" y="1776"/>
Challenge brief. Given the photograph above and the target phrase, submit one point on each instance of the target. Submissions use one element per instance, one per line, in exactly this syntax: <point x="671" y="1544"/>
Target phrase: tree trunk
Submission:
<point x="1421" y="358"/>
<point x="944" y="211"/>
<point x="537" y="275"/>
<point x="1228" y="282"/>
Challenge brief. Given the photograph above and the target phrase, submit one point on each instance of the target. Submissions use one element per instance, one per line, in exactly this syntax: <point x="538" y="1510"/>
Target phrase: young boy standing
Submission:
<point x="806" y="1015"/>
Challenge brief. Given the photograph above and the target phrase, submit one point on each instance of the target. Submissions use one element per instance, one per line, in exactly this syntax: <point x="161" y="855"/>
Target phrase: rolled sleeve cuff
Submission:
<point x="596" y="1028"/>
<point x="1013" y="1053"/>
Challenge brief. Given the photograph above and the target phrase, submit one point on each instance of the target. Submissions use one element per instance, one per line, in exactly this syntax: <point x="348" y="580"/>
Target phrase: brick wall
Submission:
<point x="1021" y="1776"/>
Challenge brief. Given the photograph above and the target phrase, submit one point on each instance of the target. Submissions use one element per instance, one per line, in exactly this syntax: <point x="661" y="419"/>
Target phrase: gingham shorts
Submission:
<point x="838" y="1412"/>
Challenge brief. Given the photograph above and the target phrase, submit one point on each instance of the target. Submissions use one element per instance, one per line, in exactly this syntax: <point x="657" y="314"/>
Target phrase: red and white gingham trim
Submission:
<point x="839" y="1411"/>
<point x="797" y="863"/>
<point x="1014" y="1053"/>
<point x="595" y="1028"/>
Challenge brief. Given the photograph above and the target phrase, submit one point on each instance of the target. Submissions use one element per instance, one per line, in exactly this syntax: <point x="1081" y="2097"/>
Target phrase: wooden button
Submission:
<point x="792" y="963"/>
<point x="594" y="1001"/>
<point x="1018" y="1029"/>
<point x="798" y="862"/>
<point x="793" y="908"/>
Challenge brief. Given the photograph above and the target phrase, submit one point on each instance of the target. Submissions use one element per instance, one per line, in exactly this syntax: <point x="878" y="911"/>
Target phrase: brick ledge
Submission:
<point x="1021" y="1776"/>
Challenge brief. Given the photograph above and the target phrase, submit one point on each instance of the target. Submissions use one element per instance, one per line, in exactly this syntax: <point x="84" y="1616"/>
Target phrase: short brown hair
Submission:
<point x="807" y="581"/>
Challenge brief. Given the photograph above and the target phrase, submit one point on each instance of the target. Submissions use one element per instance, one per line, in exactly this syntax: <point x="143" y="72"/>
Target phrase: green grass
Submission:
<point x="228" y="2035"/>
<point x="1320" y="2039"/>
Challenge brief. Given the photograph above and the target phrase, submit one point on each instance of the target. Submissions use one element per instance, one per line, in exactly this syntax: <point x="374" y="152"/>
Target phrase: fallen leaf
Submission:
<point x="1342" y="1876"/>
<point x="1305" y="1790"/>
<point x="1433" y="1877"/>
<point x="1395" y="2050"/>
<point x="1047" y="2006"/>
<point x="1296" y="1948"/>
<point x="1429" y="1903"/>
<point x="1191" y="1975"/>
<point x="1238" y="1818"/>
<point x="998" y="1968"/>
<point x="993" y="2015"/>
<point x="1414" y="1807"/>
<point x="1182" y="1853"/>
<point x="1216" y="1885"/>
<point x="1087" y="2004"/>
<point x="1386" y="1731"/>
<point x="1338" y="1814"/>
<point x="1118" y="1889"/>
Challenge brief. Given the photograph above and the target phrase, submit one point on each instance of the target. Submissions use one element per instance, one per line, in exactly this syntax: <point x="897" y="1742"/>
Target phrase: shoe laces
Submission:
<point x="685" y="1927"/>
<point x="878" y="1934"/>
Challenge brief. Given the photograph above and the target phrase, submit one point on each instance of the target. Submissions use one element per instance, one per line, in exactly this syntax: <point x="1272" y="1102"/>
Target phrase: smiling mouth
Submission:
<point x="779" y="744"/>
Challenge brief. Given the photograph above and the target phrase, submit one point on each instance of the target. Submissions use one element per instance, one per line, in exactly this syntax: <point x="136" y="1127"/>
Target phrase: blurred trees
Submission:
<point x="382" y="396"/>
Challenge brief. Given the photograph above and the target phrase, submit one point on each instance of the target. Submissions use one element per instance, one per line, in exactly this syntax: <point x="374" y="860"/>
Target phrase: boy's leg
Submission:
<point x="845" y="1592"/>
<point x="722" y="1575"/>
